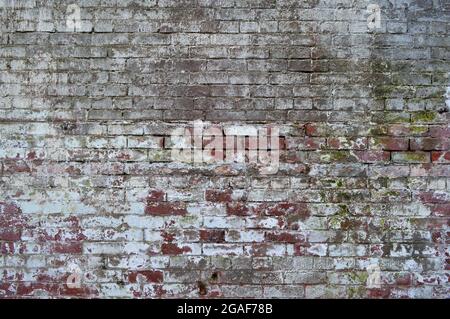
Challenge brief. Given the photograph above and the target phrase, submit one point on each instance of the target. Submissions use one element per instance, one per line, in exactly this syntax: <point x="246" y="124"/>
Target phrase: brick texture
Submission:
<point x="93" y="205"/>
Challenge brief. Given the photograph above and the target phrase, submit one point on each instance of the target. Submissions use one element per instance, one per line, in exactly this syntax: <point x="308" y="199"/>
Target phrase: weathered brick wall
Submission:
<point x="93" y="204"/>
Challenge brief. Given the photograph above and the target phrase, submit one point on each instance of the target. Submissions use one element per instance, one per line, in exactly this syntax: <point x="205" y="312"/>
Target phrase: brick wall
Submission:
<point x="92" y="202"/>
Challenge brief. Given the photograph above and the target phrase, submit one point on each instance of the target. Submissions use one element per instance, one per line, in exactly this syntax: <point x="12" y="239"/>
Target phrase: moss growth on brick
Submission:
<point x="423" y="116"/>
<point x="411" y="156"/>
<point x="416" y="129"/>
<point x="356" y="291"/>
<point x="335" y="156"/>
<point x="341" y="215"/>
<point x="359" y="277"/>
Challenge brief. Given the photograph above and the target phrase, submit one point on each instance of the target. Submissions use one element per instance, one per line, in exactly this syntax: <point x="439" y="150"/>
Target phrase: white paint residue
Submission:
<point x="374" y="276"/>
<point x="73" y="281"/>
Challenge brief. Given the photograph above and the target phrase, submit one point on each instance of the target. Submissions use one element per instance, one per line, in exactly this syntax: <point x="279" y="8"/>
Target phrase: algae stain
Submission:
<point x="423" y="116"/>
<point x="340" y="218"/>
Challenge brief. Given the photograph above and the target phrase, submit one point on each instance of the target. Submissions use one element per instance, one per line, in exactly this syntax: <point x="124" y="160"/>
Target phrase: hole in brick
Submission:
<point x="68" y="126"/>
<point x="442" y="110"/>
<point x="214" y="276"/>
<point x="201" y="288"/>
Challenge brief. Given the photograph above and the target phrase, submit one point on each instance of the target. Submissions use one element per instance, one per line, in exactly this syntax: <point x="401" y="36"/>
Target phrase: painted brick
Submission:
<point x="91" y="117"/>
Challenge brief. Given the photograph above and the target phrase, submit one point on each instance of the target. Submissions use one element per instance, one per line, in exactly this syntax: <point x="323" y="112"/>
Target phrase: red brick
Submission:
<point x="441" y="210"/>
<point x="28" y="288"/>
<point x="212" y="236"/>
<point x="238" y="209"/>
<point x="67" y="247"/>
<point x="403" y="280"/>
<point x="283" y="209"/>
<point x="153" y="276"/>
<point x="440" y="157"/>
<point x="212" y="195"/>
<point x="382" y="293"/>
<point x="12" y="222"/>
<point x="389" y="143"/>
<point x="174" y="249"/>
<point x="372" y="156"/>
<point x="430" y="144"/>
<point x="434" y="197"/>
<point x="10" y="234"/>
<point x="156" y="196"/>
<point x="284" y="237"/>
<point x="83" y="292"/>
<point x="439" y="131"/>
<point x="165" y="208"/>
